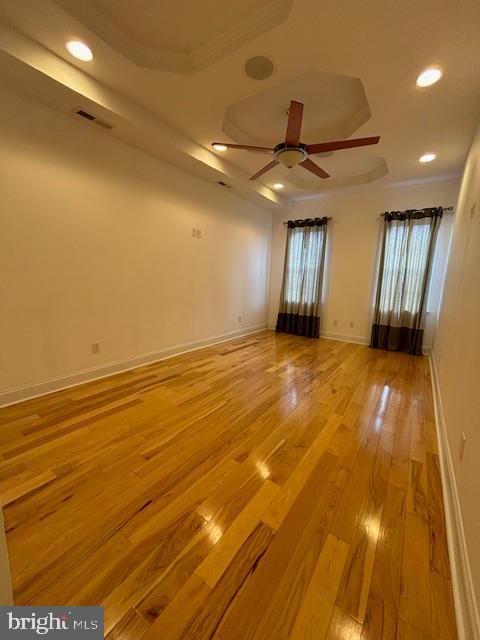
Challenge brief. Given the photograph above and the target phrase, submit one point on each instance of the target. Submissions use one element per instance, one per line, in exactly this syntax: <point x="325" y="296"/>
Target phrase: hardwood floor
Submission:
<point x="267" y="488"/>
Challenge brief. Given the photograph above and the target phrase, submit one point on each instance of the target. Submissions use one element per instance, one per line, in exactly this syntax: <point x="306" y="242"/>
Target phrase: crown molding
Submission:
<point x="376" y="173"/>
<point x="157" y="57"/>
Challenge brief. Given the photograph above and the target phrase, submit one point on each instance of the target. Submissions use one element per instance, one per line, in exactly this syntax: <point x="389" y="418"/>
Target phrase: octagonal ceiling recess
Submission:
<point x="363" y="170"/>
<point x="335" y="107"/>
<point x="188" y="37"/>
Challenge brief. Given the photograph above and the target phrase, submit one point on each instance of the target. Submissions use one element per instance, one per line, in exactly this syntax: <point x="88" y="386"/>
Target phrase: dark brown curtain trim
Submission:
<point x="397" y="339"/>
<point x="308" y="326"/>
<point x="414" y="214"/>
<point x="308" y="222"/>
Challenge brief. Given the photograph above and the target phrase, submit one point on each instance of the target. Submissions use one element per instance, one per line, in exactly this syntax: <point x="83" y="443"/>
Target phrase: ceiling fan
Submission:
<point x="292" y="151"/>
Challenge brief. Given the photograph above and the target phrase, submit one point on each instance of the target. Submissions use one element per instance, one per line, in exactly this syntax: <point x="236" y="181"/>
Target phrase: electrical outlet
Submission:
<point x="351" y="324"/>
<point x="199" y="233"/>
<point x="194" y="233"/>
<point x="472" y="210"/>
<point x="335" y="323"/>
<point x="463" y="442"/>
<point x="240" y="318"/>
<point x="95" y="347"/>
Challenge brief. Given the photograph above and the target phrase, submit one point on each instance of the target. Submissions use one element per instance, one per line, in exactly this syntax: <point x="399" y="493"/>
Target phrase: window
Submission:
<point x="409" y="239"/>
<point x="405" y="264"/>
<point x="302" y="269"/>
<point x="301" y="295"/>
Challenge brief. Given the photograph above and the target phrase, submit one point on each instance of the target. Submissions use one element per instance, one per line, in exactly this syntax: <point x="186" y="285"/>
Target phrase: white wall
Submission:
<point x="456" y="354"/>
<point x="96" y="246"/>
<point x="352" y="256"/>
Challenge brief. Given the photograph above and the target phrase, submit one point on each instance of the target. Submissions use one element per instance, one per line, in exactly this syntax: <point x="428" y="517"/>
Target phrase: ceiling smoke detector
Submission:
<point x="259" y="67"/>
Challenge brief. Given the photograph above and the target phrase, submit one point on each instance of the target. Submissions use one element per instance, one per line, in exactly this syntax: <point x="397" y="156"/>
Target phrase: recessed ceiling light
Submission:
<point x="219" y="147"/>
<point x="427" y="157"/>
<point x="278" y="186"/>
<point x="79" y="50"/>
<point x="429" y="76"/>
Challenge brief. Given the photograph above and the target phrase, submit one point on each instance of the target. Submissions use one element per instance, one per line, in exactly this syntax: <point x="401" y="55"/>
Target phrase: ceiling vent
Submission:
<point x="89" y="116"/>
<point x="259" y="67"/>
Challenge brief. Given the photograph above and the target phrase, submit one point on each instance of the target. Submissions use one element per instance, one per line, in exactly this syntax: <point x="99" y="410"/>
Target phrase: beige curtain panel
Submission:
<point x="301" y="294"/>
<point x="406" y="259"/>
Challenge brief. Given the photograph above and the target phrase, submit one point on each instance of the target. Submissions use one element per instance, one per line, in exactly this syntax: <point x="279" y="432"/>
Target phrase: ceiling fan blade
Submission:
<point x="295" y="113"/>
<point x="341" y="144"/>
<point x="269" y="166"/>
<point x="314" y="168"/>
<point x="246" y="147"/>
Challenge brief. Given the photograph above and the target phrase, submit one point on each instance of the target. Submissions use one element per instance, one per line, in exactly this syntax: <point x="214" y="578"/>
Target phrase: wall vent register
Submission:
<point x="83" y="113"/>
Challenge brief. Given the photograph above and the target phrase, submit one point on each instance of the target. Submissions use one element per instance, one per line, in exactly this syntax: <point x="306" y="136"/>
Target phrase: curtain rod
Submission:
<point x="444" y="209"/>
<point x="285" y="222"/>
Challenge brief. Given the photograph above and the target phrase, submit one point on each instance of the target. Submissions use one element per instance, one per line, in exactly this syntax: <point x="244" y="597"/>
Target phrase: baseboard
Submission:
<point x="336" y="336"/>
<point x="468" y="620"/>
<point x="344" y="338"/>
<point x="36" y="389"/>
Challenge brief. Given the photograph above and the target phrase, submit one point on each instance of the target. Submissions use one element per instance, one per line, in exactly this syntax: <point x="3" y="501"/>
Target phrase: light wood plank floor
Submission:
<point x="267" y="488"/>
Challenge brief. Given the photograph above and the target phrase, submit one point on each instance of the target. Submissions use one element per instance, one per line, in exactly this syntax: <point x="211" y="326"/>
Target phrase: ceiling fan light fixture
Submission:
<point x="290" y="156"/>
<point x="278" y="186"/>
<point x="219" y="147"/>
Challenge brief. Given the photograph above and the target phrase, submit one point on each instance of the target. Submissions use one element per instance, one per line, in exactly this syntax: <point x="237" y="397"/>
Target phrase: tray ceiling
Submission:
<point x="172" y="79"/>
<point x="177" y="35"/>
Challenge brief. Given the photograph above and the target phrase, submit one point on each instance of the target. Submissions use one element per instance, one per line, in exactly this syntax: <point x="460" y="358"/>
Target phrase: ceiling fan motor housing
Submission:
<point x="289" y="155"/>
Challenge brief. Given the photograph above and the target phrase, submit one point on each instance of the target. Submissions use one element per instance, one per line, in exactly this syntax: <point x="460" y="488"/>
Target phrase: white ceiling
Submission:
<point x="354" y="65"/>
<point x="179" y="25"/>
